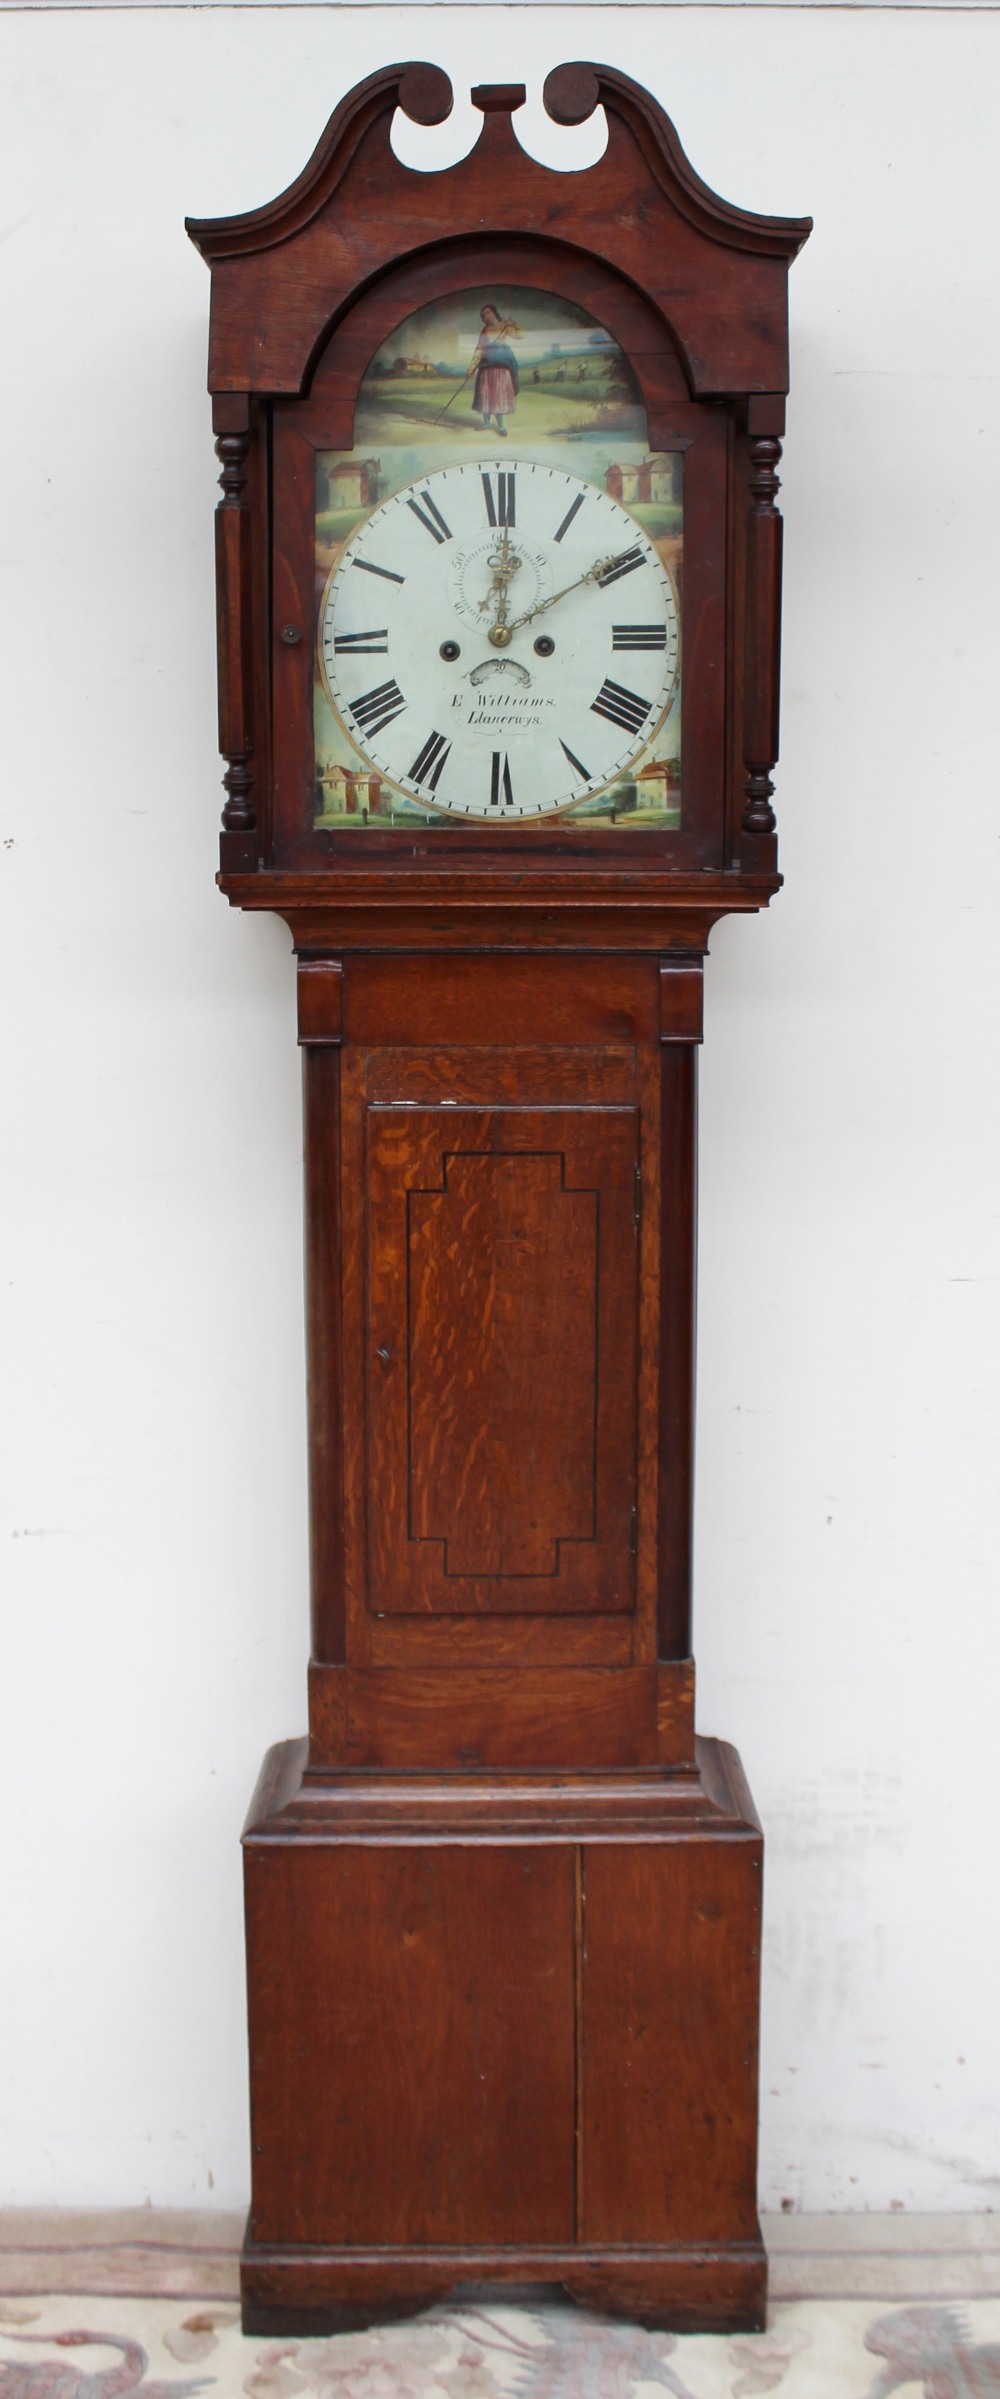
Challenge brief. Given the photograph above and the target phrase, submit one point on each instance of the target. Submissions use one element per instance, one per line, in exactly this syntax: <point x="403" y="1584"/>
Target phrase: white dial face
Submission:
<point x="500" y="639"/>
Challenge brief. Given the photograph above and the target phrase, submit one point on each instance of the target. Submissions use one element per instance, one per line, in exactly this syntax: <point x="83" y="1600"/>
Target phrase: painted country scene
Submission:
<point x="455" y="380"/>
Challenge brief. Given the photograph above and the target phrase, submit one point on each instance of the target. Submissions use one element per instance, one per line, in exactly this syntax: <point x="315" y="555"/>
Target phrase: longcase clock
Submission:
<point x="498" y="608"/>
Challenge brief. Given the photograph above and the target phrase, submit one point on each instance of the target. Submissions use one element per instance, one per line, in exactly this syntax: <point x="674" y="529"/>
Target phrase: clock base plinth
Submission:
<point x="315" y="2291"/>
<point x="503" y="2030"/>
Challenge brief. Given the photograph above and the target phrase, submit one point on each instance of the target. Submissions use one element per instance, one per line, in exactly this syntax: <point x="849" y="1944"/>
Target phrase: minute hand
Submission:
<point x="601" y="566"/>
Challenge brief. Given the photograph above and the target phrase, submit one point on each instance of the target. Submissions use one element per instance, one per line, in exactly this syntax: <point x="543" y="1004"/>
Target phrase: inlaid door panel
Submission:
<point x="500" y="1358"/>
<point x="502" y="1343"/>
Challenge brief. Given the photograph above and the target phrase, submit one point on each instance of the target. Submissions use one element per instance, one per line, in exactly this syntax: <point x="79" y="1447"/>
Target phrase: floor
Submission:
<point x="97" y="2306"/>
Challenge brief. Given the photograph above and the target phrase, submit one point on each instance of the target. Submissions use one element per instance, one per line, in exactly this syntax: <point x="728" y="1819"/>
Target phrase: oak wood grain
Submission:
<point x="671" y="1972"/>
<point x="414" y="2007"/>
<point x="465" y="1719"/>
<point x="500" y="1358"/>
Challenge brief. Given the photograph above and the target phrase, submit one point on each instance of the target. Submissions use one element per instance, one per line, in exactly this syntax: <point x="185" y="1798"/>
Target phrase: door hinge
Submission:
<point x="633" y="1532"/>
<point x="637" y="1193"/>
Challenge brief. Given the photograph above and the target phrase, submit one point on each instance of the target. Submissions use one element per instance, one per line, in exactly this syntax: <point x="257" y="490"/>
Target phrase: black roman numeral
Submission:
<point x="570" y="514"/>
<point x="367" y="568"/>
<point x="574" y="762"/>
<point x="625" y="565"/>
<point x="377" y="707"/>
<point x="433" y="756"/>
<point x="499" y="504"/>
<point x="434" y="523"/>
<point x="638" y="637"/>
<point x="501" y="788"/>
<point x="363" y="645"/>
<point x="621" y="707"/>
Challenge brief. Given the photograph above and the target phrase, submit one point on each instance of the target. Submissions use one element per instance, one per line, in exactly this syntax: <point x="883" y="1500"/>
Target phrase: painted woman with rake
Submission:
<point x="495" y="393"/>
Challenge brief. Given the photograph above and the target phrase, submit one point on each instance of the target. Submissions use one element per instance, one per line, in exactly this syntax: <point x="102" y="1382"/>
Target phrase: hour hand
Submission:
<point x="505" y="563"/>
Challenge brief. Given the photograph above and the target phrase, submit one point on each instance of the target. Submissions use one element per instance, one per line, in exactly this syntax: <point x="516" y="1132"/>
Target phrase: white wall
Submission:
<point x="154" y="1628"/>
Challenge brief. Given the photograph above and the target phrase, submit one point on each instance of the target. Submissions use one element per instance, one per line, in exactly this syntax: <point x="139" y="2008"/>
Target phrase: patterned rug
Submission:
<point x="73" y="2347"/>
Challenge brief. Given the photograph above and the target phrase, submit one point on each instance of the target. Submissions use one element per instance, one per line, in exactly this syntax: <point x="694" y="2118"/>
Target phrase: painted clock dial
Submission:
<point x="482" y="406"/>
<point x="500" y="639"/>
